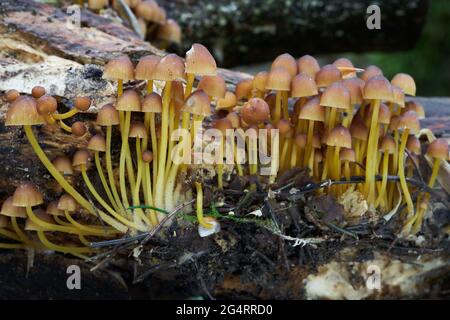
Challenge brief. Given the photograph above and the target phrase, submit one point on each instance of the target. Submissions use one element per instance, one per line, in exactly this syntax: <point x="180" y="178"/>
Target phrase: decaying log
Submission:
<point x="236" y="29"/>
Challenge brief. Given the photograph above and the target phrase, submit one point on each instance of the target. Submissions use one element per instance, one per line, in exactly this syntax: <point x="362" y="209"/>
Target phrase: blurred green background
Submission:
<point x="428" y="62"/>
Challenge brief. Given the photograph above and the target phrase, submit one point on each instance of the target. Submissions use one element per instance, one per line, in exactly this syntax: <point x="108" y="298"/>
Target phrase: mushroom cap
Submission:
<point x="279" y="79"/>
<point x="169" y="31"/>
<point x="152" y="103"/>
<point x="336" y="96"/>
<point x="97" y="143"/>
<point x="438" y="149"/>
<point x="316" y="143"/>
<point x="78" y="128"/>
<point x="10" y="210"/>
<point x="40" y="214"/>
<point x="346" y="154"/>
<point x="260" y="80"/>
<point x="398" y="96"/>
<point x="146" y="66"/>
<point x="97" y="4"/>
<point x="223" y="125"/>
<point x="395" y="122"/>
<point x="303" y="85"/>
<point x="339" y="137"/>
<point x="12" y="95"/>
<point x="387" y="144"/>
<point x="417" y="107"/>
<point x="355" y="86"/>
<point x="23" y="111"/>
<point x="214" y="86"/>
<point x="287" y="62"/>
<point x="81" y="157"/>
<point x="327" y="75"/>
<point x="27" y="195"/>
<point x="67" y="203"/>
<point x="285" y="128"/>
<point x="169" y="68"/>
<point x="147" y="156"/>
<point x="82" y="103"/>
<point x="108" y="116"/>
<point x="409" y="120"/>
<point x="52" y="209"/>
<point x="346" y="64"/>
<point x="177" y="95"/>
<point x="46" y="105"/>
<point x="243" y="89"/>
<point x="384" y="115"/>
<point x="148" y="10"/>
<point x="63" y="165"/>
<point x="371" y="71"/>
<point x="129" y="101"/>
<point x="198" y="103"/>
<point x="137" y="130"/>
<point x="300" y="140"/>
<point x="255" y="111"/>
<point x="318" y="156"/>
<point x="405" y="82"/>
<point x="227" y="102"/>
<point x="312" y="110"/>
<point x="37" y="92"/>
<point x="235" y="120"/>
<point x="413" y="145"/>
<point x="378" y="88"/>
<point x="359" y="130"/>
<point x="120" y="68"/>
<point x="199" y="61"/>
<point x="309" y="65"/>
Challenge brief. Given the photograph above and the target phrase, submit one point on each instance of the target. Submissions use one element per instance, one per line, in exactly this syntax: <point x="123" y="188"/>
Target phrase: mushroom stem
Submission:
<point x="66" y="186"/>
<point x="109" y="170"/>
<point x="104" y="182"/>
<point x="159" y="189"/>
<point x="383" y="179"/>
<point x="93" y="230"/>
<point x="189" y="84"/>
<point x="64" y="126"/>
<point x="22" y="236"/>
<point x="371" y="152"/>
<point x="278" y="99"/>
<point x="220" y="164"/>
<point x="199" y="206"/>
<point x="12" y="246"/>
<point x="123" y="152"/>
<point x="171" y="142"/>
<point x="75" y="251"/>
<point x="50" y="226"/>
<point x="238" y="163"/>
<point x="9" y="234"/>
<point x="149" y="86"/>
<point x="119" y="87"/>
<point x="309" y="139"/>
<point x="148" y="195"/>
<point x="285" y="104"/>
<point x="65" y="115"/>
<point x="102" y="202"/>
<point x="401" y="173"/>
<point x="332" y="118"/>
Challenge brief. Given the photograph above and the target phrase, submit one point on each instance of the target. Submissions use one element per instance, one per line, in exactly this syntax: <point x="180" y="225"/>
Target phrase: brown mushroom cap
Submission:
<point x="287" y="62"/>
<point x="108" y="116"/>
<point x="336" y="96"/>
<point x="285" y="128"/>
<point x="255" y="111"/>
<point x="23" y="111"/>
<point x="384" y="115"/>
<point x="345" y="64"/>
<point x="279" y="79"/>
<point x="137" y="130"/>
<point x="260" y="80"/>
<point x="416" y="107"/>
<point x="398" y="96"/>
<point x="355" y="87"/>
<point x="147" y="156"/>
<point x="169" y="68"/>
<point x="81" y="157"/>
<point x="346" y="154"/>
<point x="378" y="88"/>
<point x="327" y="75"/>
<point x="46" y="105"/>
<point x="243" y="89"/>
<point x="413" y="145"/>
<point x="409" y="120"/>
<point x="67" y="203"/>
<point x="359" y="130"/>
<point x="120" y="68"/>
<point x="228" y="102"/>
<point x="235" y="119"/>
<point x="152" y="103"/>
<point x="371" y="71"/>
<point x="199" y="61"/>
<point x="387" y="144"/>
<point x="198" y="103"/>
<point x="10" y="210"/>
<point x="148" y="10"/>
<point x="339" y="137"/>
<point x="312" y="110"/>
<point x="82" y="103"/>
<point x="309" y="65"/>
<point x="146" y="66"/>
<point x="12" y="95"/>
<point x="52" y="209"/>
<point x="303" y="85"/>
<point x="63" y="165"/>
<point x="300" y="140"/>
<point x="169" y="31"/>
<point x="438" y="149"/>
<point x="214" y="86"/>
<point x="78" y="128"/>
<point x="37" y="92"/>
<point x="27" y="195"/>
<point x="223" y="125"/>
<point x="129" y="101"/>
<point x="405" y="82"/>
<point x="394" y="124"/>
<point x="97" y="143"/>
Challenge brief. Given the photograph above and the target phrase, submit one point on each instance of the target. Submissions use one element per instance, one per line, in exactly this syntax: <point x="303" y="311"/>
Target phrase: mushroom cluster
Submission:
<point x="326" y="119"/>
<point x="151" y="17"/>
